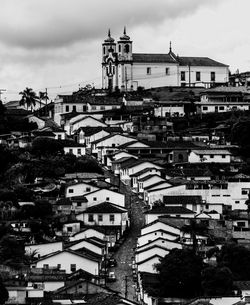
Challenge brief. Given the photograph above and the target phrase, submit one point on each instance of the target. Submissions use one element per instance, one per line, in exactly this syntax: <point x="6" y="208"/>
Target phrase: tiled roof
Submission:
<point x="105" y="208"/>
<point x="152" y="58"/>
<point x="211" y="152"/>
<point x="123" y="159"/>
<point x="143" y="171"/>
<point x="149" y="177"/>
<point x="169" y="210"/>
<point x="159" y="184"/>
<point x="182" y="200"/>
<point x="199" y="61"/>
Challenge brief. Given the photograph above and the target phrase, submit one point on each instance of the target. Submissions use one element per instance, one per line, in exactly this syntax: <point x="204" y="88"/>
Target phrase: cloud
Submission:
<point x="32" y="24"/>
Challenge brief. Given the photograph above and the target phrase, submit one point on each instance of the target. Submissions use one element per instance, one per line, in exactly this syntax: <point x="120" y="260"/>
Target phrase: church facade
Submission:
<point x="125" y="70"/>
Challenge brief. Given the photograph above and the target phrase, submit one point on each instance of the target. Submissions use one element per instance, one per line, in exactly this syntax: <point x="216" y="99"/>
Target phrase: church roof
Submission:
<point x="200" y="61"/>
<point x="157" y="58"/>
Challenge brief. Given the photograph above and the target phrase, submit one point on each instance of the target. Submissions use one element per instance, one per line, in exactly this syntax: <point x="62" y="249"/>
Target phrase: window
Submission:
<point x="59" y="137"/>
<point x="91" y="218"/>
<point x="241" y="224"/>
<point x="93" y="107"/>
<point x="107" y="199"/>
<point x="88" y="189"/>
<point x="112" y="217"/>
<point x="119" y="48"/>
<point x="79" y="204"/>
<point x="103" y="50"/>
<point x="100" y="218"/>
<point x="207" y="206"/>
<point x="94" y="199"/>
<point x="167" y="71"/>
<point x="237" y="201"/>
<point x="221" y="107"/>
<point x="69" y="229"/>
<point x="74" y="108"/>
<point x="67" y="108"/>
<point x="198" y="76"/>
<point x="244" y="191"/>
<point x="102" y="107"/>
<point x="212" y="76"/>
<point x="71" y="151"/>
<point x="211" y="156"/>
<point x="79" y="151"/>
<point x="204" y="108"/>
<point x="223" y="156"/>
<point x="183" y="76"/>
<point x="73" y="267"/>
<point x="71" y="191"/>
<point x="148" y="70"/>
<point x="45" y="266"/>
<point x="126" y="48"/>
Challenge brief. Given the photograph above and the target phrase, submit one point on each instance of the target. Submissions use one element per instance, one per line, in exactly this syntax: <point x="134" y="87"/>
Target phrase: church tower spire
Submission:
<point x="170" y="47"/>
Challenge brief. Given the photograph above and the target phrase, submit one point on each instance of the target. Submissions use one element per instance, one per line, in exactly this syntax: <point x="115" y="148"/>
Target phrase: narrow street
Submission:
<point x="125" y="254"/>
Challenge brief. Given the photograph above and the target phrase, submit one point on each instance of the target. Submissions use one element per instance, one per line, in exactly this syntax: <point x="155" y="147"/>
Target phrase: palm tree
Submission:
<point x="29" y="98"/>
<point x="43" y="96"/>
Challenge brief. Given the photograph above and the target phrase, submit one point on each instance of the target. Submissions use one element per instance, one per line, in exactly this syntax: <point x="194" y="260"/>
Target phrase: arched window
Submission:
<point x="126" y="48"/>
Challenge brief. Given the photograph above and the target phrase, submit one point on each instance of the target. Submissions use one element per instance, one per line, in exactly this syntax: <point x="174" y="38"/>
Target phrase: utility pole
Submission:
<point x="126" y="287"/>
<point x="126" y="80"/>
<point x="189" y="75"/>
<point x="1" y="91"/>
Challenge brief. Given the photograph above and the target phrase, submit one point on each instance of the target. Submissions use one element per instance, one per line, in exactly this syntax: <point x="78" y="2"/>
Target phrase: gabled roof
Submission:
<point x="148" y="259"/>
<point x="105" y="208"/>
<point x="164" y="221"/>
<point x="138" y="162"/>
<point x="100" y="190"/>
<point x="211" y="152"/>
<point x="182" y="200"/>
<point x="88" y="117"/>
<point x="110" y="136"/>
<point x="169" y="210"/>
<point x="151" y="247"/>
<point x="159" y="238"/>
<point x="89" y="130"/>
<point x="123" y="159"/>
<point x="157" y="184"/>
<point x="149" y="177"/>
<point x="152" y="58"/>
<point x="199" y="61"/>
<point x="66" y="251"/>
<point x="143" y="171"/>
<point x="161" y="230"/>
<point x="86" y="229"/>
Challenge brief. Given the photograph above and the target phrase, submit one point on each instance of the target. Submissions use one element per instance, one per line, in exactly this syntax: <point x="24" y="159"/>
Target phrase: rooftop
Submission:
<point x="169" y="210"/>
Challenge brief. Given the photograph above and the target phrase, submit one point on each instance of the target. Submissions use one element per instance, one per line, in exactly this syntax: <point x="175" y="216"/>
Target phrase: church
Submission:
<point x="122" y="69"/>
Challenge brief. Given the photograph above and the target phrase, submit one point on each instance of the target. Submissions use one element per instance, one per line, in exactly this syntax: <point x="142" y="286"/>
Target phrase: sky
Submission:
<point x="56" y="44"/>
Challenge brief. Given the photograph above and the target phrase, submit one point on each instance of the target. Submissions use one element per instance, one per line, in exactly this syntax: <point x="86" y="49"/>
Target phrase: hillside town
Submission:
<point x="133" y="193"/>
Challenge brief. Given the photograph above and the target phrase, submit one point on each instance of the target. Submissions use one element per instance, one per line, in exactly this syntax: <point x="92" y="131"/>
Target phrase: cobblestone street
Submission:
<point x="125" y="254"/>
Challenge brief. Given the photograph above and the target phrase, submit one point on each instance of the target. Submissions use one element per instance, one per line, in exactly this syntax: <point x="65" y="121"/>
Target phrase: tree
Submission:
<point x="237" y="259"/>
<point x="180" y="274"/>
<point x="216" y="281"/>
<point x="46" y="146"/>
<point x="4" y="295"/>
<point x="43" y="96"/>
<point x="194" y="229"/>
<point x="29" y="98"/>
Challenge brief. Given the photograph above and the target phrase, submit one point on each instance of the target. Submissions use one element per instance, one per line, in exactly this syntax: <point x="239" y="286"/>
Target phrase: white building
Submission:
<point x="123" y="69"/>
<point x="209" y="156"/>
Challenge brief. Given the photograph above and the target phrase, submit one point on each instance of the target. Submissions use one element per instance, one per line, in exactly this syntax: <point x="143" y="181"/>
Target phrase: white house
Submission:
<point x="150" y="236"/>
<point x="163" y="242"/>
<point x="116" y="156"/>
<point x="148" y="265"/>
<point x="209" y="156"/>
<point x="142" y="255"/>
<point x="160" y="224"/>
<point x="75" y="149"/>
<point x="105" y="214"/>
<point x="170" y="109"/>
<point x="79" y="189"/>
<point x="214" y="194"/>
<point x="133" y="167"/>
<point x="87" y="233"/>
<point x="173" y="211"/>
<point x="148" y="181"/>
<point x="88" y="243"/>
<point x="39" y="250"/>
<point x="69" y="261"/>
<point x="108" y="145"/>
<point x="102" y="195"/>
